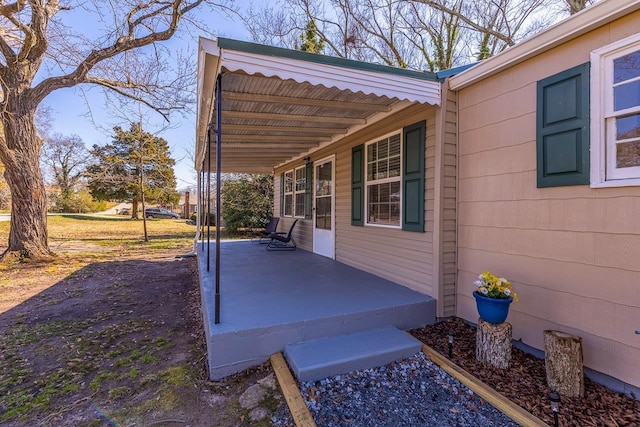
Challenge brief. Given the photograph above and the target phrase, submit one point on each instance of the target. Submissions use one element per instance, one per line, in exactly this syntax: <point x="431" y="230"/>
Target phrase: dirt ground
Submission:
<point x="117" y="341"/>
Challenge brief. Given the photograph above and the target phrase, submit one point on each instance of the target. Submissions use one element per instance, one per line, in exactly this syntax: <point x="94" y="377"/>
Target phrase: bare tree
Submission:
<point x="418" y="34"/>
<point x="119" y="52"/>
<point x="66" y="159"/>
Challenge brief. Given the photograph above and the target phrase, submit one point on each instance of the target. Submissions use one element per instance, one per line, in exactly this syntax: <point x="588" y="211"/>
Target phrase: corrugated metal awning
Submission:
<point x="279" y="104"/>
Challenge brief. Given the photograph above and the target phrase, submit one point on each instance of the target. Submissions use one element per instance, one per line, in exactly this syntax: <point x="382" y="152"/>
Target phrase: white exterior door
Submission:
<point x="324" y="223"/>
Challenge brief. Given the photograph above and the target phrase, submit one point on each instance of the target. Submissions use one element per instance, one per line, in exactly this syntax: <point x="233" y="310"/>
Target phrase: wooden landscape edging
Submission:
<point x="500" y="402"/>
<point x="299" y="411"/>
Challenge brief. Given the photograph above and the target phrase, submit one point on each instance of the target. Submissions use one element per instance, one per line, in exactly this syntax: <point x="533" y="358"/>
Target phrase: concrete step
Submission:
<point x="325" y="357"/>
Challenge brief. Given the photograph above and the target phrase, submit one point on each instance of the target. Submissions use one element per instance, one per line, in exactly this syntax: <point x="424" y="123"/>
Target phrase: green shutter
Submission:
<point x="282" y="194"/>
<point x="414" y="139"/>
<point x="308" y="191"/>
<point x="357" y="185"/>
<point x="562" y="128"/>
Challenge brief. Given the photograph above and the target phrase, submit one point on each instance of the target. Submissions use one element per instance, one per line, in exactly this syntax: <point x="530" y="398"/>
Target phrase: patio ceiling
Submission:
<point x="278" y="104"/>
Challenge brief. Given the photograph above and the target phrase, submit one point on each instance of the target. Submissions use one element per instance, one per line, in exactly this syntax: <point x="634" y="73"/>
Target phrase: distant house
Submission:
<point x="527" y="164"/>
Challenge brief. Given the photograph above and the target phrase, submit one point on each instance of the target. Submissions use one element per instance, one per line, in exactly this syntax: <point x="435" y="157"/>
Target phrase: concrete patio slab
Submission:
<point x="272" y="299"/>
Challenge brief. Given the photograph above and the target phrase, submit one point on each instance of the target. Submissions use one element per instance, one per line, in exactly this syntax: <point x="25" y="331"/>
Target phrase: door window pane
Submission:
<point x="323" y="179"/>
<point x="323" y="212"/>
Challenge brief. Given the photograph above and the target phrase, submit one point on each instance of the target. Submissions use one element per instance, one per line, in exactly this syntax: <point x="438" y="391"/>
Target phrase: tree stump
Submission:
<point x="563" y="363"/>
<point x="493" y="343"/>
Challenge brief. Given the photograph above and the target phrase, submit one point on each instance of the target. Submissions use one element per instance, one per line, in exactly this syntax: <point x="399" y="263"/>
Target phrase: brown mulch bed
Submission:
<point x="525" y="382"/>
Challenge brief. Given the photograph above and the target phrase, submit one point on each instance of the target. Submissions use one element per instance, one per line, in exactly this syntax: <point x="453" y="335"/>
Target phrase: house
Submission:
<point x="525" y="164"/>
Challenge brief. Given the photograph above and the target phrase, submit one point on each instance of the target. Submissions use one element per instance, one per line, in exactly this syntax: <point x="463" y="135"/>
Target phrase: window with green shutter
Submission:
<point x="414" y="137"/>
<point x="308" y="193"/>
<point x="562" y="128"/>
<point x="388" y="180"/>
<point x="357" y="185"/>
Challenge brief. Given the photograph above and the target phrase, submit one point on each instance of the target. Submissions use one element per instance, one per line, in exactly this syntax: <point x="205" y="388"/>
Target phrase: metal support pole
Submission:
<point x="202" y="205"/>
<point x="208" y="202"/>
<point x="218" y="168"/>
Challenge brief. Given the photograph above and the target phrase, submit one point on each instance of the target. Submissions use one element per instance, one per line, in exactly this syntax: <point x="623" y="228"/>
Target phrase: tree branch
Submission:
<point x="12" y="8"/>
<point x="121" y="45"/>
<point x="118" y="87"/>
<point x="437" y="5"/>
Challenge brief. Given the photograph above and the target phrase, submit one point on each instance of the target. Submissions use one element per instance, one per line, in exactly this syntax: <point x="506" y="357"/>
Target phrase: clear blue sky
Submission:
<point x="69" y="109"/>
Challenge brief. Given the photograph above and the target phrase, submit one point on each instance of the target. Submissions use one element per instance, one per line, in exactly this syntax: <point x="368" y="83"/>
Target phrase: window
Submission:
<point x="299" y="190"/>
<point x="383" y="180"/>
<point x="295" y="191"/>
<point x="288" y="193"/>
<point x="616" y="126"/>
<point x="387" y="180"/>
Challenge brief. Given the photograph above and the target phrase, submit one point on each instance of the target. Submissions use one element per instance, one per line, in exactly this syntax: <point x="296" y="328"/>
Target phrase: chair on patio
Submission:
<point x="282" y="241"/>
<point x="264" y="233"/>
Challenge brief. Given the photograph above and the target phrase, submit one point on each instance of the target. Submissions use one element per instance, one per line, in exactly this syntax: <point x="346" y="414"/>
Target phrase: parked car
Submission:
<point x="124" y="211"/>
<point x="160" y="213"/>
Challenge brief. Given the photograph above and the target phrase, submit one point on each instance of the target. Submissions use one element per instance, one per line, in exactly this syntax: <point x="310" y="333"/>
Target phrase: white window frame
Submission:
<point x="602" y="151"/>
<point x="288" y="193"/>
<point x="296" y="192"/>
<point x="368" y="182"/>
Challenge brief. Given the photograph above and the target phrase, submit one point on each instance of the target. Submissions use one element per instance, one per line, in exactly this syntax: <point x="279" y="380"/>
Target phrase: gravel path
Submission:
<point x="411" y="392"/>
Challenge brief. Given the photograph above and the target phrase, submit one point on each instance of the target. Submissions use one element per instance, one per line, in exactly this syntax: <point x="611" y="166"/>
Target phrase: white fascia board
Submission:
<point x="369" y="82"/>
<point x="582" y="22"/>
<point x="209" y="65"/>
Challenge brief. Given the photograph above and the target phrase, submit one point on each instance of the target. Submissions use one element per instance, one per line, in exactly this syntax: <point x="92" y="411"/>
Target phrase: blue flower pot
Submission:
<point x="492" y="310"/>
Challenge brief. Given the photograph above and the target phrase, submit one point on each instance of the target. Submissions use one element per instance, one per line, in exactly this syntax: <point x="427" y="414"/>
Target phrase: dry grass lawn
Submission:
<point x="109" y="332"/>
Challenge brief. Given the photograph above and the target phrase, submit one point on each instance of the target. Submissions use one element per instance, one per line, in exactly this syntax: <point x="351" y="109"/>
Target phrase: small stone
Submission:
<point x="252" y="396"/>
<point x="269" y="381"/>
<point x="258" y="413"/>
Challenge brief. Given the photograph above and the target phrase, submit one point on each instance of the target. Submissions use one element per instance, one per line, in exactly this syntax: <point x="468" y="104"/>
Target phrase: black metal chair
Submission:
<point x="282" y="241"/>
<point x="265" y="233"/>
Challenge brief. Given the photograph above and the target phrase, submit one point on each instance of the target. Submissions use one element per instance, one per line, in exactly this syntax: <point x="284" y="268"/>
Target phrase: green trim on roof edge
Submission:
<point x="261" y="49"/>
<point x="455" y="70"/>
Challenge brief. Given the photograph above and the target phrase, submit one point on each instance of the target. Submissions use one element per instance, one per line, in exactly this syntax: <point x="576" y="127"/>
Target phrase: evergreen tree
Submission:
<point x="311" y="41"/>
<point x="135" y="167"/>
<point x="248" y="201"/>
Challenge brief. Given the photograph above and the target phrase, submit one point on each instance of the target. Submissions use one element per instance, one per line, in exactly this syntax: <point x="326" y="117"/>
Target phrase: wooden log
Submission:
<point x="493" y="343"/>
<point x="563" y="363"/>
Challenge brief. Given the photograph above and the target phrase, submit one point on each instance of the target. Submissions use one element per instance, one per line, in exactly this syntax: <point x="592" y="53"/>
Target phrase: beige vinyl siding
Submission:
<point x="445" y="250"/>
<point x="573" y="252"/>
<point x="401" y="256"/>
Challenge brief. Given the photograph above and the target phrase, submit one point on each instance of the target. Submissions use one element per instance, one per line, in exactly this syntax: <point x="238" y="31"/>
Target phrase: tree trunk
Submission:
<point x="21" y="155"/>
<point x="134" y="209"/>
<point x="493" y="343"/>
<point x="563" y="363"/>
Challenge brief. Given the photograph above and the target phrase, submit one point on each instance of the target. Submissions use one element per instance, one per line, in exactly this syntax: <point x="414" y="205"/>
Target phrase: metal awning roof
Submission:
<point x="279" y="104"/>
